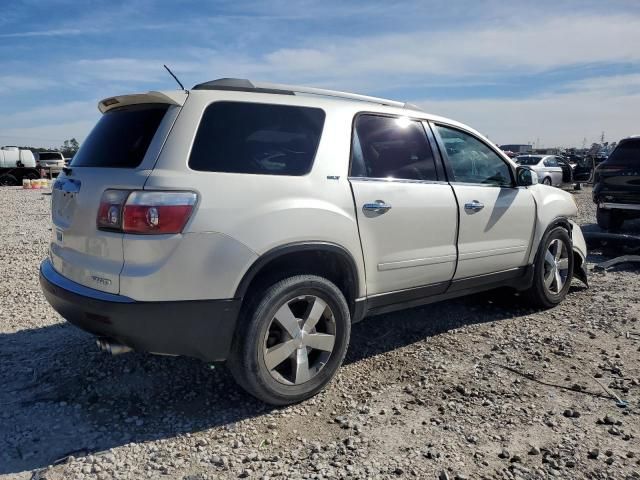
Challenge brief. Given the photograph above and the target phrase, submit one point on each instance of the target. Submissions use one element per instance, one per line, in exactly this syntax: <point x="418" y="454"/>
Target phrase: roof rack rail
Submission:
<point x="244" y="85"/>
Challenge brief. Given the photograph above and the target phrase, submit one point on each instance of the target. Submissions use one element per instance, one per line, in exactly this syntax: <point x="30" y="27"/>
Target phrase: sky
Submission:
<point x="551" y="73"/>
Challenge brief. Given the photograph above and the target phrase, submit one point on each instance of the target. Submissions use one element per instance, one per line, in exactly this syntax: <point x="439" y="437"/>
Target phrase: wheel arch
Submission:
<point x="326" y="259"/>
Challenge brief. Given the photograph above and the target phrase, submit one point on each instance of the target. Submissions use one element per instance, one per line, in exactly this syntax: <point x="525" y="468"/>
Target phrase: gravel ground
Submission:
<point x="480" y="387"/>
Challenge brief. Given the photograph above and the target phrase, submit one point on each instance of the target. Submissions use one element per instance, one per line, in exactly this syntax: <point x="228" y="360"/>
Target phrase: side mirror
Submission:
<point x="526" y="177"/>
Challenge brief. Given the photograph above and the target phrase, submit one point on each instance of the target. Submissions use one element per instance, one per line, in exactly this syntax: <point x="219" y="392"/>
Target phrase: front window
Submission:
<point x="472" y="161"/>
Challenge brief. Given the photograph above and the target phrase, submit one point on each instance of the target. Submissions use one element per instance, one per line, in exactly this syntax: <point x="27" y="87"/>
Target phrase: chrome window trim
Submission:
<point x="483" y="185"/>
<point x="397" y="180"/>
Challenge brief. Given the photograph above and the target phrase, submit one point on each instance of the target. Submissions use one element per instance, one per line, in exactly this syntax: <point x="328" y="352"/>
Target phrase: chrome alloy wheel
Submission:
<point x="556" y="266"/>
<point x="299" y="340"/>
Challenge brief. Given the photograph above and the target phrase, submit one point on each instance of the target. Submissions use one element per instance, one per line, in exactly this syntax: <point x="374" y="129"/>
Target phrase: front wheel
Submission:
<point x="8" y="180"/>
<point x="291" y="344"/>
<point x="553" y="269"/>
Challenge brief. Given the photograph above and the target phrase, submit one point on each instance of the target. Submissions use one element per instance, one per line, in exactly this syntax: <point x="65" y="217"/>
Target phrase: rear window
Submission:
<point x="528" y="160"/>
<point x="50" y="156"/>
<point x="627" y="153"/>
<point x="238" y="137"/>
<point x="121" y="137"/>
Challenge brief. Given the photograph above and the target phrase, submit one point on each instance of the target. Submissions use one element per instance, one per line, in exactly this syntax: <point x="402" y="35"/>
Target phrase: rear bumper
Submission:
<point x="198" y="328"/>
<point x="619" y="206"/>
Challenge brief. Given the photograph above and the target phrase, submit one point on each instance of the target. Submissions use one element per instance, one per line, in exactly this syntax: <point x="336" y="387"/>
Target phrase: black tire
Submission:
<point x="577" y="186"/>
<point x="547" y="181"/>
<point x="608" y="219"/>
<point x="249" y="350"/>
<point x="7" y="180"/>
<point x="539" y="295"/>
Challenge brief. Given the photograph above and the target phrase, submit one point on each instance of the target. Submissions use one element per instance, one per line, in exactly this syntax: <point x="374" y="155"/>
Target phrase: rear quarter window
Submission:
<point x="239" y="137"/>
<point x="627" y="153"/>
<point x="121" y="137"/>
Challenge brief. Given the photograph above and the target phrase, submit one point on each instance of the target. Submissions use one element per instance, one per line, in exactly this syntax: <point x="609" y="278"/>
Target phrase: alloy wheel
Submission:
<point x="300" y="339"/>
<point x="556" y="266"/>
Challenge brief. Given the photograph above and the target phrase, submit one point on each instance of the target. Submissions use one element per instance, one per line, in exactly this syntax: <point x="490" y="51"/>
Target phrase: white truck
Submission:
<point x="17" y="164"/>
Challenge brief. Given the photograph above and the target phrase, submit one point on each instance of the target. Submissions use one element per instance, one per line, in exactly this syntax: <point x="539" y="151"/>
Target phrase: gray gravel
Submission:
<point x="481" y="387"/>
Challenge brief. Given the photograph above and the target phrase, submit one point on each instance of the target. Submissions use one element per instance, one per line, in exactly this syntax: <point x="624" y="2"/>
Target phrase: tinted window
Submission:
<point x="121" y="137"/>
<point x="50" y="156"/>
<point x="627" y="153"/>
<point x="257" y="138"/>
<point x="472" y="161"/>
<point x="528" y="160"/>
<point x="386" y="147"/>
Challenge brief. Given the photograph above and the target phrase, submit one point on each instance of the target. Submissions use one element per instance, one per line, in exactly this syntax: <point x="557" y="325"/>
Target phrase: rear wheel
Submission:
<point x="7" y="180"/>
<point x="291" y="344"/>
<point x="608" y="219"/>
<point x="547" y="181"/>
<point x="553" y="269"/>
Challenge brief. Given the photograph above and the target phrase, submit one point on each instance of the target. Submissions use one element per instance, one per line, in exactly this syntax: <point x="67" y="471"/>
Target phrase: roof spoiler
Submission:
<point x="171" y="98"/>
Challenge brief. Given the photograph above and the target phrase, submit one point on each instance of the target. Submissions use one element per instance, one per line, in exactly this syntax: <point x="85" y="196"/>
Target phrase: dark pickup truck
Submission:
<point x="616" y="188"/>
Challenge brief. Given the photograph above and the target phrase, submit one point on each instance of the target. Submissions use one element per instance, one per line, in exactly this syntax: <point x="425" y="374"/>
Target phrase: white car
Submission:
<point x="548" y="168"/>
<point x="254" y="223"/>
<point x="51" y="163"/>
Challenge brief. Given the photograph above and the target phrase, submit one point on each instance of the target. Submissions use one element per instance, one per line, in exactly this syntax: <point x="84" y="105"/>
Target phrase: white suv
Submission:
<point x="254" y="223"/>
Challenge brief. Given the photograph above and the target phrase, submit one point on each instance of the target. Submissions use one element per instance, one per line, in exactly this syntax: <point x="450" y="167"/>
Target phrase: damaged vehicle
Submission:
<point x="556" y="171"/>
<point x="254" y="223"/>
<point x="616" y="189"/>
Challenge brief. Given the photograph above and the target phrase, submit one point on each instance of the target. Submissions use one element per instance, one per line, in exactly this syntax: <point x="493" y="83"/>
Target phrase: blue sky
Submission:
<point x="553" y="72"/>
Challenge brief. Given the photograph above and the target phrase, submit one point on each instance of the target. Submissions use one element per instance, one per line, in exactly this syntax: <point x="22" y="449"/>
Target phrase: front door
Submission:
<point x="497" y="219"/>
<point x="407" y="213"/>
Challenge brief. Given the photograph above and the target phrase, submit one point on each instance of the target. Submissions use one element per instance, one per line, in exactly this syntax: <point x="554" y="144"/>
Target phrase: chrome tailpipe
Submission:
<point x="112" y="347"/>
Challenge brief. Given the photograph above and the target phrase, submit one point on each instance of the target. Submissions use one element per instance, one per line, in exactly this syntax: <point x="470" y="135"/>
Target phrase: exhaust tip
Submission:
<point x="113" y="348"/>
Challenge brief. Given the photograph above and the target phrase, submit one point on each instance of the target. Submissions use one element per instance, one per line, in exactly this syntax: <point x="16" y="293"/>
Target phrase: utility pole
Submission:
<point x="602" y="138"/>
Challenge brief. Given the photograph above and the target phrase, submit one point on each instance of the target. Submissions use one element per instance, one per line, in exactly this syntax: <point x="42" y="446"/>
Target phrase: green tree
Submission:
<point x="69" y="147"/>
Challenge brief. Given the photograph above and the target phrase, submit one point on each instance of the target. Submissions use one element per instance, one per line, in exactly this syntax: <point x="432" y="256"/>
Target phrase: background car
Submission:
<point x="616" y="188"/>
<point x="51" y="163"/>
<point x="547" y="167"/>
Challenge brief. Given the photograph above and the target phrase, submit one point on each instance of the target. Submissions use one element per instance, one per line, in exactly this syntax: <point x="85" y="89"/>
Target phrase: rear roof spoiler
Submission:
<point x="171" y="98"/>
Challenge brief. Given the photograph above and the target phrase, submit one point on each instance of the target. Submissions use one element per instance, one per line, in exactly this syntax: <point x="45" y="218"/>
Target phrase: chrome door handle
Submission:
<point x="474" y="206"/>
<point x="379" y="206"/>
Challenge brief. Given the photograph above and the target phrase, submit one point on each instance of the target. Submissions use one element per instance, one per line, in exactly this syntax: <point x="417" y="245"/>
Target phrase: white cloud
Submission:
<point x="16" y="83"/>
<point x="563" y="119"/>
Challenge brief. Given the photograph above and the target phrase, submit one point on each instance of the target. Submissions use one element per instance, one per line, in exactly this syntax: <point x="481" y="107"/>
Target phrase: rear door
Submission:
<point x="496" y="217"/>
<point x="407" y="213"/>
<point x="119" y="153"/>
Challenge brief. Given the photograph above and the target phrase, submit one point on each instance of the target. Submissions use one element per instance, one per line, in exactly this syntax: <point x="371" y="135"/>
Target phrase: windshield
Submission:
<point x="121" y="137"/>
<point x="528" y="160"/>
<point x="627" y="153"/>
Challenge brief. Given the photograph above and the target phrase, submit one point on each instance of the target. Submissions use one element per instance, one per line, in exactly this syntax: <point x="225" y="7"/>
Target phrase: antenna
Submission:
<point x="174" y="77"/>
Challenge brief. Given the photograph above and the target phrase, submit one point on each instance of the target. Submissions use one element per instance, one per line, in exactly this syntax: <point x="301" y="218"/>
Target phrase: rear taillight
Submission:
<point x="144" y="212"/>
<point x="110" y="210"/>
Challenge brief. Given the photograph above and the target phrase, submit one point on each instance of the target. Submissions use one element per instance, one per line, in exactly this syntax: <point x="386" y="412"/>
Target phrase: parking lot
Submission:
<point x="480" y="387"/>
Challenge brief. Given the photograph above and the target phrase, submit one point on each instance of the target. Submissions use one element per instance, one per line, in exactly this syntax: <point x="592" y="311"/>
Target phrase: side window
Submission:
<point x="257" y="138"/>
<point x="550" y="162"/>
<point x="472" y="161"/>
<point x="391" y="147"/>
